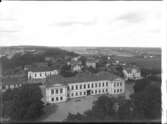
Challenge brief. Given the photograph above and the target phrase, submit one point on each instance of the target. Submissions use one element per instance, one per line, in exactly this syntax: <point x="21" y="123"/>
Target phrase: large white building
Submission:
<point x="59" y="89"/>
<point x="132" y="73"/>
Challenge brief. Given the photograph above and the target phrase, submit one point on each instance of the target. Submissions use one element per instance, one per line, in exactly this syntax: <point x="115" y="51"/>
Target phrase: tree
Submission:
<point x="126" y="111"/>
<point x="140" y="85"/>
<point x="23" y="103"/>
<point x="147" y="103"/>
<point x="66" y="71"/>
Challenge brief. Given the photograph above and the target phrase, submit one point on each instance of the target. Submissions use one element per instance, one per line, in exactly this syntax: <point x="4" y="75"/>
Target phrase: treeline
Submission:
<point x="145" y="104"/>
<point x="22" y="104"/>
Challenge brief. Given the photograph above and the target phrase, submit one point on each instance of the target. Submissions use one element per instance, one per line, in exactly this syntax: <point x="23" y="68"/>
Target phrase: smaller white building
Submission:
<point x="43" y="74"/>
<point x="91" y="62"/>
<point x="132" y="73"/>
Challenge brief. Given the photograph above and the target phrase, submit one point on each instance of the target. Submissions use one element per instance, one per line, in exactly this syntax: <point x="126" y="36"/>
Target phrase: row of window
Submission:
<point x="83" y="86"/>
<point x="11" y="86"/>
<point x="40" y="74"/>
<point x="117" y="84"/>
<point x="57" y="99"/>
<point x="56" y="91"/>
<point x="92" y="92"/>
<point x="117" y="90"/>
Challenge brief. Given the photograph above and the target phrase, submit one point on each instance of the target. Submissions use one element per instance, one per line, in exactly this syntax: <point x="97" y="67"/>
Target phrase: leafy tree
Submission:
<point x="23" y="103"/>
<point x="126" y="111"/>
<point x="140" y="85"/>
<point x="66" y="71"/>
<point x="147" y="103"/>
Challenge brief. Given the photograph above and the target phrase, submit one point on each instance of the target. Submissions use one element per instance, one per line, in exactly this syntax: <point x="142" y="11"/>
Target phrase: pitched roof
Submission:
<point x="130" y="67"/>
<point x="42" y="69"/>
<point x="7" y="81"/>
<point x="81" y="77"/>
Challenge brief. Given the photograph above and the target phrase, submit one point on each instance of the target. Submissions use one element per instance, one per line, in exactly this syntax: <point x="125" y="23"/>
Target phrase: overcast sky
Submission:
<point x="81" y="23"/>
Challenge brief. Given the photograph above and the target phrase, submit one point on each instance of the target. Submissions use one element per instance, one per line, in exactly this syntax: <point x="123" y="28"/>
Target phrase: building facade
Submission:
<point x="61" y="92"/>
<point x="41" y="74"/>
<point x="132" y="73"/>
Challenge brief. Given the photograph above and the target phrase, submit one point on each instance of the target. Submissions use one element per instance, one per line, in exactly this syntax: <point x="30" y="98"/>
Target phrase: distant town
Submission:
<point x="74" y="73"/>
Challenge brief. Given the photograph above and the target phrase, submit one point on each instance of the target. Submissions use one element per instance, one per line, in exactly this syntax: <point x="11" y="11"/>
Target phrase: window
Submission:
<point x="76" y="87"/>
<point x="103" y="90"/>
<point x="56" y="91"/>
<point x="81" y="86"/>
<point x="35" y="75"/>
<point x="76" y="94"/>
<point x="106" y="83"/>
<point x="103" y="84"/>
<point x="120" y="90"/>
<point x="61" y="98"/>
<point x="96" y="91"/>
<point x="68" y="95"/>
<point x="120" y="84"/>
<point x="84" y="93"/>
<point x="84" y="86"/>
<point x="114" y="84"/>
<point x="92" y="85"/>
<point x="117" y="84"/>
<point x="52" y="99"/>
<point x="61" y="90"/>
<point x="80" y="93"/>
<point x="68" y="88"/>
<point x="57" y="98"/>
<point x="72" y="94"/>
<point x="88" y="85"/>
<point x="99" y="84"/>
<point x="114" y="91"/>
<point x="117" y="90"/>
<point x="92" y="91"/>
<point x="99" y="91"/>
<point x="72" y="87"/>
<point x="40" y="74"/>
<point x="96" y="85"/>
<point x="106" y="90"/>
<point x="52" y="91"/>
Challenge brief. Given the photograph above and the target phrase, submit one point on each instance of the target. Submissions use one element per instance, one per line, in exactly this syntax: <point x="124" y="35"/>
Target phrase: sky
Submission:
<point x="81" y="23"/>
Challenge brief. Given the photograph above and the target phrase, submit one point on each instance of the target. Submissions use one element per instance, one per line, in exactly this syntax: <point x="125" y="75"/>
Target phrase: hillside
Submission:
<point x="118" y="51"/>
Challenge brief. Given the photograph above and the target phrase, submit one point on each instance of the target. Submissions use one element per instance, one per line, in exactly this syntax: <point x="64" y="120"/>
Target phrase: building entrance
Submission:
<point x="88" y="92"/>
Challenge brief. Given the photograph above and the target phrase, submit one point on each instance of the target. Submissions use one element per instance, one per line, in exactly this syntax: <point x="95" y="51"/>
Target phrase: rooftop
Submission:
<point x="42" y="69"/>
<point x="80" y="77"/>
<point x="130" y="67"/>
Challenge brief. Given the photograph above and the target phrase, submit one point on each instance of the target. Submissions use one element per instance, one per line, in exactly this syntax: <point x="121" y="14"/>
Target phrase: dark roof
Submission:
<point x="129" y="68"/>
<point x="42" y="69"/>
<point x="80" y="77"/>
<point x="73" y="63"/>
<point x="7" y="81"/>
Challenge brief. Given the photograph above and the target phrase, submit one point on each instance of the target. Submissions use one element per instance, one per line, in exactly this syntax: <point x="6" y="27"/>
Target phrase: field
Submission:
<point x="146" y="63"/>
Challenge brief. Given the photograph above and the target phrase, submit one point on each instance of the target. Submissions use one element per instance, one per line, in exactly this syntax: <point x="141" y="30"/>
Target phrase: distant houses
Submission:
<point x="59" y="89"/>
<point x="11" y="83"/>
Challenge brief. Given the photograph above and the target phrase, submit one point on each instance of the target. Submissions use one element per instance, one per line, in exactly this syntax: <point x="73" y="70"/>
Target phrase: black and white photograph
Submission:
<point x="81" y="62"/>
